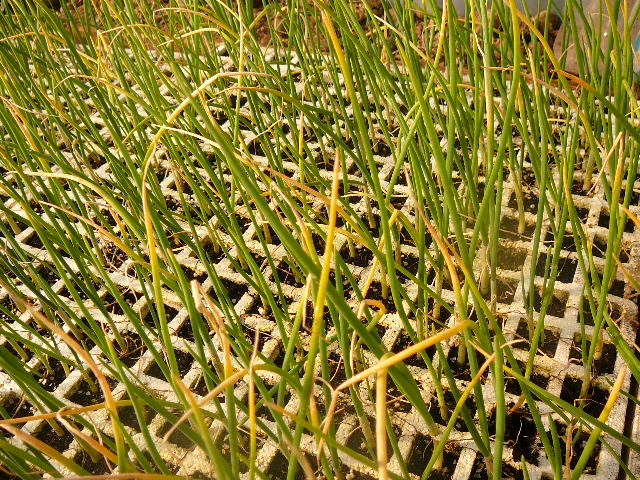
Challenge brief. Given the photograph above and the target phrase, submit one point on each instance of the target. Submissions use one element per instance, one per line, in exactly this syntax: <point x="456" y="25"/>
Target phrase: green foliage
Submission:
<point x="179" y="91"/>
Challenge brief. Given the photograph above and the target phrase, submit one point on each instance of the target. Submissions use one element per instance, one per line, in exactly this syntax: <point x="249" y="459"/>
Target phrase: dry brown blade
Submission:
<point x="369" y="302"/>
<point x="381" y="422"/>
<point x="445" y="247"/>
<point x="101" y="230"/>
<point x="354" y="336"/>
<point x="307" y="242"/>
<point x="376" y="263"/>
<point x="406" y="353"/>
<point x="605" y="163"/>
<point x="634" y="218"/>
<point x="202" y="303"/>
<point x="219" y="327"/>
<point x="98" y="446"/>
<point x="340" y="211"/>
<point x="212" y="394"/>
<point x="79" y="350"/>
<point x="253" y="431"/>
<point x="200" y="423"/>
<point x="625" y="272"/>
<point x="386" y="363"/>
<point x="65" y="412"/>
<point x="21" y="122"/>
<point x="231" y="378"/>
<point x="302" y="459"/>
<point x="568" y="450"/>
<point x="40" y="446"/>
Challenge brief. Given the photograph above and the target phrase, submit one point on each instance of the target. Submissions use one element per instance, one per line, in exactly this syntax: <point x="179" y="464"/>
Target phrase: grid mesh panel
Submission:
<point x="557" y="362"/>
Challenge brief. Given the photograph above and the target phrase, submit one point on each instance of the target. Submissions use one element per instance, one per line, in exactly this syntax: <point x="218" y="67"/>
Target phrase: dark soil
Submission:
<point x="287" y="275"/>
<point x="261" y="261"/>
<point x="592" y="403"/>
<point x="265" y="413"/>
<point x="577" y="188"/>
<point x="10" y="307"/>
<point x="568" y="243"/>
<point x="530" y="201"/>
<point x="375" y="230"/>
<point x="79" y="290"/>
<point x="85" y="396"/>
<point x="510" y="258"/>
<point x="200" y="388"/>
<point x="186" y="331"/>
<point x="135" y="350"/>
<point x="336" y="367"/>
<point x="442" y="318"/>
<point x="555" y="307"/>
<point x="250" y="336"/>
<point x="280" y="464"/>
<point x="47" y="435"/>
<point x="178" y="437"/>
<point x="583" y="213"/>
<point x="114" y="256"/>
<point x="308" y="319"/>
<point x="363" y="257"/>
<point x="566" y="268"/>
<point x="52" y="380"/>
<point x="234" y="290"/>
<point x="604" y="365"/>
<point x="509" y="229"/>
<point x="396" y="400"/>
<point x="403" y="342"/>
<point x="600" y="249"/>
<point x="506" y="290"/>
<point x="421" y="453"/>
<point x="397" y="201"/>
<point x="128" y="416"/>
<point x="98" y="467"/>
<point x="578" y="442"/>
<point x="192" y="275"/>
<point x="587" y="315"/>
<point x="411" y="264"/>
<point x="548" y="342"/>
<point x="130" y="296"/>
<point x="183" y="359"/>
<point x="463" y="372"/>
<point x="529" y="177"/>
<point x="520" y="433"/>
<point x="48" y="275"/>
<point x="446" y="282"/>
<point x="15" y="408"/>
<point x="513" y="386"/>
<point x="169" y="312"/>
<point x="375" y="293"/>
<point x="214" y="256"/>
<point x="617" y="288"/>
<point x="112" y="305"/>
<point x="604" y="219"/>
<point x="479" y="470"/>
<point x="357" y="440"/>
<point x="451" y="403"/>
<point x="319" y="243"/>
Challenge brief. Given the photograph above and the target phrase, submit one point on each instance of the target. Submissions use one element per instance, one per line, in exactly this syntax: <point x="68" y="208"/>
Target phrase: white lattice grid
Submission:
<point x="557" y="362"/>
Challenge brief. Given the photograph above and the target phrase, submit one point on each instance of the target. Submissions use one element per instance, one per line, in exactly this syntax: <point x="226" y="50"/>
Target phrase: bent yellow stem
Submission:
<point x="387" y="362"/>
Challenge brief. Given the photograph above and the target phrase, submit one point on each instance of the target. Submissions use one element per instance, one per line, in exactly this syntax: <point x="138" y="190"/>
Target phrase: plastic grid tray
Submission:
<point x="557" y="362"/>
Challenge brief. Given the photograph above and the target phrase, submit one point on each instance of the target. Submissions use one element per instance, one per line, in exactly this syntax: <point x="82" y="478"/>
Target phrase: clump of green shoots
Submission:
<point x="244" y="110"/>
